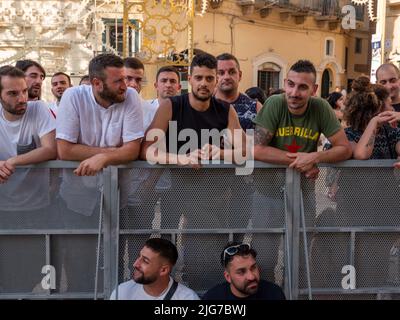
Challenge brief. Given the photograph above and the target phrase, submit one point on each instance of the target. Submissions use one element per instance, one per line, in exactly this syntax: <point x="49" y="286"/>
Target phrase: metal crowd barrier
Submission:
<point x="77" y="237"/>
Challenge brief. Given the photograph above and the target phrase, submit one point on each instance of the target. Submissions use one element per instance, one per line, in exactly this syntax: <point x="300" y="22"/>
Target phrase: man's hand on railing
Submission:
<point x="303" y="162"/>
<point x="192" y="159"/>
<point x="312" y="174"/>
<point x="210" y="152"/>
<point x="396" y="165"/>
<point x="6" y="170"/>
<point x="91" y="166"/>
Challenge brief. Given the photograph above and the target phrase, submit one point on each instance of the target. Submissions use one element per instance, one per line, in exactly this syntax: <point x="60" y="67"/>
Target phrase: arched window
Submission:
<point x="268" y="76"/>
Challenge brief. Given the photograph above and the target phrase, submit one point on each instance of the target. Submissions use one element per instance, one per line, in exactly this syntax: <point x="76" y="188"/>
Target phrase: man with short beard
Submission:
<point x="242" y="275"/>
<point x="27" y="136"/>
<point x="60" y="82"/>
<point x="34" y="76"/>
<point x="27" y="133"/>
<point x="152" y="275"/>
<point x="98" y="125"/>
<point x="197" y="110"/>
<point x="101" y="124"/>
<point x="195" y="113"/>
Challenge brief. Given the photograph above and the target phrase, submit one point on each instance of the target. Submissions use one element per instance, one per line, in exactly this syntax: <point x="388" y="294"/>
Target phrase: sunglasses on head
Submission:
<point x="232" y="250"/>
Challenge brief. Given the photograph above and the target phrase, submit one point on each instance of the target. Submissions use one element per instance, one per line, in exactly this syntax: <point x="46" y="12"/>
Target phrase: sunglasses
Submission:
<point x="232" y="250"/>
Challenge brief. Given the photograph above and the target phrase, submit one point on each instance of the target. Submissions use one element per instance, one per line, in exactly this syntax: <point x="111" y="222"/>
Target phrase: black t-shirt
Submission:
<point x="186" y="117"/>
<point x="396" y="107"/>
<point x="266" y="291"/>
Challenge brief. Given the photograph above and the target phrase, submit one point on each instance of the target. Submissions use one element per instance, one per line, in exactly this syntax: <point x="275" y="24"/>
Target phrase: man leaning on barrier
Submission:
<point x="152" y="275"/>
<point x="27" y="136"/>
<point x="242" y="275"/>
<point x="196" y="111"/>
<point x="288" y="128"/>
<point x="187" y="129"/>
<point x="98" y="125"/>
<point x="289" y="125"/>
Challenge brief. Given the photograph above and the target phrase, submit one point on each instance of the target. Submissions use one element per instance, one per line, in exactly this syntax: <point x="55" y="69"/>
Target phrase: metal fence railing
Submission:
<point x="63" y="236"/>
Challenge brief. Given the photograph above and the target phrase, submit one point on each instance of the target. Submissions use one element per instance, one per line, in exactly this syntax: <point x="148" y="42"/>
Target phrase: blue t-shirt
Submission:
<point x="246" y="109"/>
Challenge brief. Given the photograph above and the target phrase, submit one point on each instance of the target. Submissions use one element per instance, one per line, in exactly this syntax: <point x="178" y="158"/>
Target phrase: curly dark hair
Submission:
<point x="381" y="92"/>
<point x="203" y="60"/>
<point x="362" y="104"/>
<point x="333" y="98"/>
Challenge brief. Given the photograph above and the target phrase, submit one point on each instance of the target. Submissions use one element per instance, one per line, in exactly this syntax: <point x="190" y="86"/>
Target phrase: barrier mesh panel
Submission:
<point x="378" y="260"/>
<point x="212" y="199"/>
<point x="328" y="253"/>
<point x="74" y="257"/>
<point x="21" y="262"/>
<point x="340" y="297"/>
<point x="52" y="199"/>
<point x="353" y="197"/>
<point x="201" y="199"/>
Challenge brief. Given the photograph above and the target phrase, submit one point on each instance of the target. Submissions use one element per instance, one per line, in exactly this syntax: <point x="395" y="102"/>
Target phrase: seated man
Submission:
<point x="151" y="277"/>
<point x="242" y="276"/>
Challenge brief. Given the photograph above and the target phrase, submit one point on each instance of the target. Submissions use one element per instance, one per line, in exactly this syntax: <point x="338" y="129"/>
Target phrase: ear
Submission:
<point x="96" y="82"/>
<point x="179" y="87"/>
<point x="315" y="89"/>
<point x="240" y="75"/>
<point x="227" y="276"/>
<point x="155" y="85"/>
<point x="165" y="270"/>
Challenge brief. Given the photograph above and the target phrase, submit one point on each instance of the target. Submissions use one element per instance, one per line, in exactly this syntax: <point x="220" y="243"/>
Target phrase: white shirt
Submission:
<point x="154" y="102"/>
<point x="26" y="189"/>
<point x="149" y="111"/>
<point x="131" y="290"/>
<point x="53" y="106"/>
<point x="82" y="120"/>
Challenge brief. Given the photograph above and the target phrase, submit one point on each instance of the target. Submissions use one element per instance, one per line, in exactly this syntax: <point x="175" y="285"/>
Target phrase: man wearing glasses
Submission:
<point x="242" y="275"/>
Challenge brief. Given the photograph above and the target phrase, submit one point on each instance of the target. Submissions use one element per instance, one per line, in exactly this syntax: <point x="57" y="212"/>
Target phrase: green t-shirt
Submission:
<point x="297" y="133"/>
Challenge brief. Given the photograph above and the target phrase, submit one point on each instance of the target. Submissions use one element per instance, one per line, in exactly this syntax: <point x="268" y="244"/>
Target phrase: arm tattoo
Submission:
<point x="262" y="136"/>
<point x="371" y="141"/>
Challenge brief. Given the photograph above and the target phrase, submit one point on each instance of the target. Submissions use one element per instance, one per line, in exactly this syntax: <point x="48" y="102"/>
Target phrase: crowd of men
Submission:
<point x="104" y="121"/>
